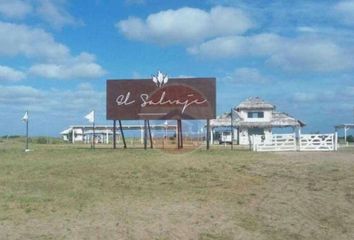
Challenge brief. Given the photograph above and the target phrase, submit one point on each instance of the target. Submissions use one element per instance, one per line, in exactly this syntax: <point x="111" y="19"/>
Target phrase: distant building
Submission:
<point x="104" y="133"/>
<point x="253" y="117"/>
<point x="346" y="127"/>
<point x="84" y="133"/>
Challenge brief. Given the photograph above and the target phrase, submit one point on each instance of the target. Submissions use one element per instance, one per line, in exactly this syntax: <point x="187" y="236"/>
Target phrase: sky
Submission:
<point x="56" y="55"/>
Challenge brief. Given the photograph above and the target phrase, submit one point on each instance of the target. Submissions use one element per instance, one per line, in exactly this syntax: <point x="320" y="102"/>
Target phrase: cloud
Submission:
<point x="82" y="66"/>
<point x="16" y="9"/>
<point x="247" y="75"/>
<point x="85" y="97"/>
<point x="349" y="91"/>
<point x="304" y="97"/>
<point x="345" y="11"/>
<point x="139" y="2"/>
<point x="79" y="70"/>
<point x="185" y="25"/>
<point x="51" y="101"/>
<point x="312" y="55"/>
<point x="57" y="71"/>
<point x="10" y="74"/>
<point x="19" y="96"/>
<point x="304" y="53"/>
<point x="54" y="13"/>
<point x="238" y="46"/>
<point x="17" y="39"/>
<point x="55" y="59"/>
<point x="51" y="110"/>
<point x="306" y="29"/>
<point x="333" y="96"/>
<point x="222" y="47"/>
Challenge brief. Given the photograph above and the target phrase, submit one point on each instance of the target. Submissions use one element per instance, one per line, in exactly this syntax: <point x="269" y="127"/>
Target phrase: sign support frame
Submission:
<point x="208" y="135"/>
<point x="122" y="133"/>
<point x="150" y="136"/>
<point x="114" y="134"/>
<point x="145" y="134"/>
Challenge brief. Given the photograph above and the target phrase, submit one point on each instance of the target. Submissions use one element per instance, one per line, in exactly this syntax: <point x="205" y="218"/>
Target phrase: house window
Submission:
<point x="255" y="114"/>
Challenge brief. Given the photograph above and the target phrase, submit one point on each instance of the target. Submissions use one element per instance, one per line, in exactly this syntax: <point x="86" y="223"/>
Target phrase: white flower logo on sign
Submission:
<point x="160" y="79"/>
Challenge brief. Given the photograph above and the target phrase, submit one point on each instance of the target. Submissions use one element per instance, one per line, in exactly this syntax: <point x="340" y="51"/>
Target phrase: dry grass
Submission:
<point x="68" y="192"/>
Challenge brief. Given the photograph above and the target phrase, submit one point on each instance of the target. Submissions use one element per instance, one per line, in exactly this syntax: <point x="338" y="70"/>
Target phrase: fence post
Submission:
<point x="299" y="145"/>
<point x="254" y="146"/>
<point x="335" y="141"/>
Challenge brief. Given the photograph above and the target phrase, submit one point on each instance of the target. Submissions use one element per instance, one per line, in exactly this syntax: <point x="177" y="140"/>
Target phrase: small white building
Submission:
<point x="253" y="117"/>
<point x="104" y="133"/>
<point x="84" y="133"/>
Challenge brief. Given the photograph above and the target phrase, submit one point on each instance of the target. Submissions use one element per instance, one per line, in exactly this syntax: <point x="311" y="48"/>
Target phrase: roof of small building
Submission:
<point x="255" y="103"/>
<point x="80" y="129"/>
<point x="66" y="131"/>
<point x="345" y="125"/>
<point x="279" y="119"/>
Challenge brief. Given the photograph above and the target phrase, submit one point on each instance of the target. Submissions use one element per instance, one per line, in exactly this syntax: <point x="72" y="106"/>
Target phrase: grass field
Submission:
<point x="62" y="191"/>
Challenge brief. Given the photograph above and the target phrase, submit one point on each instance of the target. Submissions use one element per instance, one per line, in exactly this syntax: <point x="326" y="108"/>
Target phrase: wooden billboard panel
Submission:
<point x="179" y="98"/>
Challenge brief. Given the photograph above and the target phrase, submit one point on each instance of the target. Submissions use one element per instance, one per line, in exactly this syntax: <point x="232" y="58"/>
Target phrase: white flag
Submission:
<point x="91" y="117"/>
<point x="25" y="117"/>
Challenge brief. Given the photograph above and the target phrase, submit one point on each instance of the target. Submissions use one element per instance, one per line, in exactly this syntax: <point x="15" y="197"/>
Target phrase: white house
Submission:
<point x="253" y="117"/>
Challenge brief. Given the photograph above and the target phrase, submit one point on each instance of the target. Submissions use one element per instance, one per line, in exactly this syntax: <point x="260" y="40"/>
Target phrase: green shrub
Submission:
<point x="42" y="140"/>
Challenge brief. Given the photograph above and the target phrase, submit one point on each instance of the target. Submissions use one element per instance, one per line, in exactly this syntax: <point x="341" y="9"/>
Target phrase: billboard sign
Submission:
<point x="161" y="98"/>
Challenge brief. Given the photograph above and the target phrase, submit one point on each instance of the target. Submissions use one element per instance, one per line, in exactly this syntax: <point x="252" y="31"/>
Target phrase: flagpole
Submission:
<point x="93" y="137"/>
<point x="26" y="150"/>
<point x="91" y="118"/>
<point x="93" y="128"/>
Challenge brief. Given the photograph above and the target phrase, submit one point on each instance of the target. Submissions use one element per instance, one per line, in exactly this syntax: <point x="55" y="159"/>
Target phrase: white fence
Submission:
<point x="274" y="142"/>
<point x="318" y="142"/>
<point x="288" y="142"/>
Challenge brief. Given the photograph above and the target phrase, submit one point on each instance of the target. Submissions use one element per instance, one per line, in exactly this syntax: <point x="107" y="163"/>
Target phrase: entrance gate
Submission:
<point x="288" y="142"/>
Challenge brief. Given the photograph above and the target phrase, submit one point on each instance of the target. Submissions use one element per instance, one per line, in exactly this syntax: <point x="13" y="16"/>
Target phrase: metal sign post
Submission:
<point x="208" y="135"/>
<point x="179" y="134"/>
<point x="145" y="134"/>
<point x="150" y="136"/>
<point x="122" y="133"/>
<point x="114" y="134"/>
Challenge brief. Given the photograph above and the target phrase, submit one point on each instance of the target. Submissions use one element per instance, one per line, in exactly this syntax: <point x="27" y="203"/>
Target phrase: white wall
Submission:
<point x="244" y="136"/>
<point x="268" y="132"/>
<point x="267" y="115"/>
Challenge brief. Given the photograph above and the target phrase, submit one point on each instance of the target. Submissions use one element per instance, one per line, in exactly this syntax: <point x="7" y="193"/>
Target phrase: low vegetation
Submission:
<point x="61" y="191"/>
